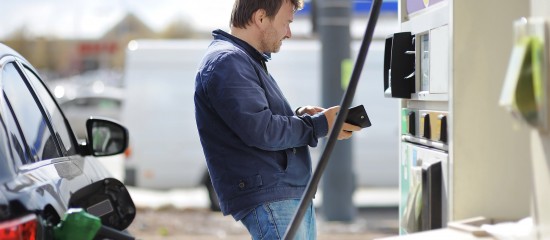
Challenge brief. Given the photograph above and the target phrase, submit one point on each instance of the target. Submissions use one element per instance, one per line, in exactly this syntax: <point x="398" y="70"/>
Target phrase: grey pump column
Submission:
<point x="338" y="183"/>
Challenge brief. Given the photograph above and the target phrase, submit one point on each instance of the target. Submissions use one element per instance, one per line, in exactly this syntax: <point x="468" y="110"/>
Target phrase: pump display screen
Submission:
<point x="425" y="62"/>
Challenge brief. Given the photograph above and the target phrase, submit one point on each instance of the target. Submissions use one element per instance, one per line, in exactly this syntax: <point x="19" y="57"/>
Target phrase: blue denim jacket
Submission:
<point x="256" y="148"/>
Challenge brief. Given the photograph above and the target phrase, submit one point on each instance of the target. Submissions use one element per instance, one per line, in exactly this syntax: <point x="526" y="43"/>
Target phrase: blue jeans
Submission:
<point x="271" y="220"/>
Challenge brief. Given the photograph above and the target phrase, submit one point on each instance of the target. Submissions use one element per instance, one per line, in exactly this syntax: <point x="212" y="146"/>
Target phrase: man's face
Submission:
<point x="278" y="29"/>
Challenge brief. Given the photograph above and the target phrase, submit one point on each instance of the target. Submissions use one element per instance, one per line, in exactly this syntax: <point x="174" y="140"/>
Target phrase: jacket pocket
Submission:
<point x="251" y="182"/>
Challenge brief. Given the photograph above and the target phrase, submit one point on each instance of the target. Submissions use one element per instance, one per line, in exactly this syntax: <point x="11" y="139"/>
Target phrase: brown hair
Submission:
<point x="243" y="10"/>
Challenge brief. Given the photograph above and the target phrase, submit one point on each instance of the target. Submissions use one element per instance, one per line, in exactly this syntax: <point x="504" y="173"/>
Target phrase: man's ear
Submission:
<point x="260" y="17"/>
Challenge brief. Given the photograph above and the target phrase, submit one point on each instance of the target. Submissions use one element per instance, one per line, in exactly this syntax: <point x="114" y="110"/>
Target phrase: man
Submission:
<point x="256" y="146"/>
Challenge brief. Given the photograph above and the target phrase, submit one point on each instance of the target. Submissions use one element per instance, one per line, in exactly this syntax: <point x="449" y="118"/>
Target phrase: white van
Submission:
<point x="158" y="110"/>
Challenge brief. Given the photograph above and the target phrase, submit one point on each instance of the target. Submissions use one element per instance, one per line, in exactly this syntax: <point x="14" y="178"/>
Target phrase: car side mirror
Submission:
<point x="105" y="137"/>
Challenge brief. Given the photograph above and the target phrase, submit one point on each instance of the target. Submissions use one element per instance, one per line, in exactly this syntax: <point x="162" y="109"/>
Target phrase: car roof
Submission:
<point x="7" y="51"/>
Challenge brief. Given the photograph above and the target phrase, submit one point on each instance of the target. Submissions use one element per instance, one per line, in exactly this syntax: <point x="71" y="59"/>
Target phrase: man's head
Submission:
<point x="268" y="21"/>
<point x="243" y="10"/>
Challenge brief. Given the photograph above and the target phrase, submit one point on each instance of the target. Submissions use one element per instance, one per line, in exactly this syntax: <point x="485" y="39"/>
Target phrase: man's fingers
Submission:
<point x="351" y="128"/>
<point x="344" y="135"/>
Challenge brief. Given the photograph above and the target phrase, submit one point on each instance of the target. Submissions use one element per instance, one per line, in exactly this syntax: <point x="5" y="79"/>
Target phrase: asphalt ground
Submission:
<point x="201" y="223"/>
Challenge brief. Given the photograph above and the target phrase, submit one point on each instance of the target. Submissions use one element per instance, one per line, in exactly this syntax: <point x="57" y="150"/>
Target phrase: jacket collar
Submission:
<point x="260" y="57"/>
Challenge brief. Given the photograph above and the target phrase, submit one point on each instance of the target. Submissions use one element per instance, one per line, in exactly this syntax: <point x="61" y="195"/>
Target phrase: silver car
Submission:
<point x="44" y="170"/>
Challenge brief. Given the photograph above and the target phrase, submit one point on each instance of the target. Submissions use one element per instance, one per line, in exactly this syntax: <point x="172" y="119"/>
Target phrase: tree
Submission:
<point x="178" y="28"/>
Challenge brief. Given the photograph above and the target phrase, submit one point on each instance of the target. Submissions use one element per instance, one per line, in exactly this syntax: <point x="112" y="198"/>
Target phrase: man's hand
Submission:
<point x="347" y="129"/>
<point x="310" y="110"/>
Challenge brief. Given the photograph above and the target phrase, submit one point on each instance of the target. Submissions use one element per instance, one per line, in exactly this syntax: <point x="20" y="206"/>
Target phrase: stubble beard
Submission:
<point x="269" y="43"/>
<point x="277" y="46"/>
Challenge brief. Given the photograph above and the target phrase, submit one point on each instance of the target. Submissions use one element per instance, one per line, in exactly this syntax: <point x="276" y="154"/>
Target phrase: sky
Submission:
<point x="91" y="18"/>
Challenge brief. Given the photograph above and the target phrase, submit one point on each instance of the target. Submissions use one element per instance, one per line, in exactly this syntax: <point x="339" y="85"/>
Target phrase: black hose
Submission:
<point x="345" y="105"/>
<point x="110" y="233"/>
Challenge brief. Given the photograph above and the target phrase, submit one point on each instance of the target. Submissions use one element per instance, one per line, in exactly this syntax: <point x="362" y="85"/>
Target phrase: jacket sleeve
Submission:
<point x="236" y="94"/>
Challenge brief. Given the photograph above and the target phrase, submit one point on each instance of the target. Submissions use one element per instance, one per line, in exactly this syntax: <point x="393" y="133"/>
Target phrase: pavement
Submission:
<point x="184" y="214"/>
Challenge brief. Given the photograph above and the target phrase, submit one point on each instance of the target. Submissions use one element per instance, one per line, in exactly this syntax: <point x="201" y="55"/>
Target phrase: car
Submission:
<point x="79" y="101"/>
<point x="44" y="170"/>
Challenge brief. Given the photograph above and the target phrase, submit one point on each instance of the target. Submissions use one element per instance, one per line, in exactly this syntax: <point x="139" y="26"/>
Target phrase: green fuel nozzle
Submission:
<point x="78" y="224"/>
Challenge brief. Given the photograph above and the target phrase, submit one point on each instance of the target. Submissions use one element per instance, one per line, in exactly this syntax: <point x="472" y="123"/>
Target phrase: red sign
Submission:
<point x="95" y="48"/>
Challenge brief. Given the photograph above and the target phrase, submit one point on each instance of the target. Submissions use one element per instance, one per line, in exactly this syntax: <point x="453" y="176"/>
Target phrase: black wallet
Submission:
<point x="358" y="116"/>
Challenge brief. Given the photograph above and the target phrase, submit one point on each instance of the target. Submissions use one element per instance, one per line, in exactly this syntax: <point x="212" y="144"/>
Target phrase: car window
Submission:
<point x="36" y="131"/>
<point x="6" y="165"/>
<point x="58" y="121"/>
<point x="19" y="151"/>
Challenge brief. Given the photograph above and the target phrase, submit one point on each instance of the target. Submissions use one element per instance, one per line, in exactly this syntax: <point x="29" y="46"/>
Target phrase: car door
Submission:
<point x="45" y="166"/>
